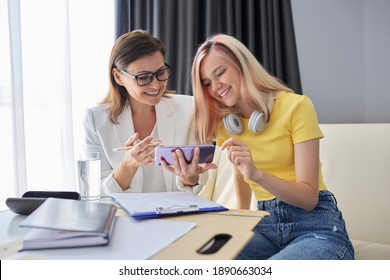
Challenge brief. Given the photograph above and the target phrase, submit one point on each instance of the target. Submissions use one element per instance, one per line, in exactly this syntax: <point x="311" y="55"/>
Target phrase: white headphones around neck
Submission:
<point x="256" y="124"/>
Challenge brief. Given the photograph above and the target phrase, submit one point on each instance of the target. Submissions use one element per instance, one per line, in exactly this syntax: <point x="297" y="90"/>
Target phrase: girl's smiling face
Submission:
<point x="220" y="79"/>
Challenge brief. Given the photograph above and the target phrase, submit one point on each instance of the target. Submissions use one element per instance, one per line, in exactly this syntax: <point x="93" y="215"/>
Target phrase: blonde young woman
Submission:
<point x="137" y="111"/>
<point x="272" y="137"/>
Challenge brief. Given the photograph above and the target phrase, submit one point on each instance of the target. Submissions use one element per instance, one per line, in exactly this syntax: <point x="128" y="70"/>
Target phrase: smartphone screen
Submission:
<point x="206" y="153"/>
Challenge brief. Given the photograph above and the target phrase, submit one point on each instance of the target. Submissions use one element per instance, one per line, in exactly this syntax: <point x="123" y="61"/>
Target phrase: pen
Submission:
<point x="152" y="144"/>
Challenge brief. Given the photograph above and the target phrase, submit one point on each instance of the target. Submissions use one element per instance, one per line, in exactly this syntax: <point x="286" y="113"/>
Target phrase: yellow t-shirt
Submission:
<point x="293" y="120"/>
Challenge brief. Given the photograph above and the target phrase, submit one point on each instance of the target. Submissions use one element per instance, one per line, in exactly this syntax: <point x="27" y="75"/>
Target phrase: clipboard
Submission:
<point x="154" y="205"/>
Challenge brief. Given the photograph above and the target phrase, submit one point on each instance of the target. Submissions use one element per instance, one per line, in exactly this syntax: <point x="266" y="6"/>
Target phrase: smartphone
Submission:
<point x="31" y="200"/>
<point x="24" y="205"/>
<point x="206" y="153"/>
<point x="56" y="194"/>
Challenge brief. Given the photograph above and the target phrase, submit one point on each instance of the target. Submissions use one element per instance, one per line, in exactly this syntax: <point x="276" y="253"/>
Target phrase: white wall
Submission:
<point x="344" y="57"/>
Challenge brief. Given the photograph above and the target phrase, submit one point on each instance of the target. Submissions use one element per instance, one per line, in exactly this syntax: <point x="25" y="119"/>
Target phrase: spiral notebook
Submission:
<point x="155" y="205"/>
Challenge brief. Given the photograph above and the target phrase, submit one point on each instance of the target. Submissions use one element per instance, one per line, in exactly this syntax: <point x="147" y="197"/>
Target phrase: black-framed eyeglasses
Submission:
<point x="146" y="78"/>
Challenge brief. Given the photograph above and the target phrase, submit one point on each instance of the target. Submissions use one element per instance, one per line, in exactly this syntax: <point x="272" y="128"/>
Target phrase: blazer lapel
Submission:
<point x="166" y="123"/>
<point x="166" y="126"/>
<point x="123" y="130"/>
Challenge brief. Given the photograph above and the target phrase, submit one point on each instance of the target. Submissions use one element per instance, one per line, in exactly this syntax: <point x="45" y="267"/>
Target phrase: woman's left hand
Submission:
<point x="240" y="155"/>
<point x="188" y="173"/>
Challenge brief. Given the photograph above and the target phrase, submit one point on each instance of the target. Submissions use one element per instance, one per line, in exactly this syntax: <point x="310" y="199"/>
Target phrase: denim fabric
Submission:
<point x="291" y="233"/>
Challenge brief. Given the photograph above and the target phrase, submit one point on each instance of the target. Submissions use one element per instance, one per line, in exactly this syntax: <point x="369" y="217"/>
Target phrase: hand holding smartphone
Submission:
<point x="206" y="153"/>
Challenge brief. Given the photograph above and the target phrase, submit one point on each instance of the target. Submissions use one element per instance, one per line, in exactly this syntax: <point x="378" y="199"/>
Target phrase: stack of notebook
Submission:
<point x="62" y="223"/>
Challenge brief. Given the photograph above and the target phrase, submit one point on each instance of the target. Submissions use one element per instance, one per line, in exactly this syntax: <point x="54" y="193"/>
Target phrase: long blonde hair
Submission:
<point x="257" y="85"/>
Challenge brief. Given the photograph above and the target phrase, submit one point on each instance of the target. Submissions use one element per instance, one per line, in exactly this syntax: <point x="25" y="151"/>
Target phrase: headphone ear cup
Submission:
<point x="257" y="122"/>
<point x="233" y="124"/>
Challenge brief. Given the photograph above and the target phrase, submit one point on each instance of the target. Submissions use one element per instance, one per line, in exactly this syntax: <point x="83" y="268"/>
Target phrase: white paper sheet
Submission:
<point x="131" y="240"/>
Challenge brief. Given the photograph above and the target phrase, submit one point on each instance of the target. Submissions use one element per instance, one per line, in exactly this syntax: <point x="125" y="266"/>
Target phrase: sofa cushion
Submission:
<point x="356" y="166"/>
<point x="220" y="188"/>
<point x="365" y="250"/>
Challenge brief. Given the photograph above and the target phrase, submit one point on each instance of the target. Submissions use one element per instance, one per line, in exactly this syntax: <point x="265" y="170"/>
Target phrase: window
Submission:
<point x="54" y="64"/>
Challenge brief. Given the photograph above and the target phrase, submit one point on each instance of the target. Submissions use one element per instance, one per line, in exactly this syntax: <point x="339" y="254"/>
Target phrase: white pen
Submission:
<point x="152" y="144"/>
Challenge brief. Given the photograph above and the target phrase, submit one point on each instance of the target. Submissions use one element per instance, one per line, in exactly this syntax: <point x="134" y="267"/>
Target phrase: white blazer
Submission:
<point x="175" y="126"/>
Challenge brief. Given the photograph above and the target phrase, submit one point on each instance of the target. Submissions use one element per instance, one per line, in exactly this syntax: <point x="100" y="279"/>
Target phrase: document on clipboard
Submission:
<point x="155" y="205"/>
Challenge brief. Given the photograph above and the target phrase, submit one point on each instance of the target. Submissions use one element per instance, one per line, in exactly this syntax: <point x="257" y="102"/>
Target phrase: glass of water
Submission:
<point x="88" y="175"/>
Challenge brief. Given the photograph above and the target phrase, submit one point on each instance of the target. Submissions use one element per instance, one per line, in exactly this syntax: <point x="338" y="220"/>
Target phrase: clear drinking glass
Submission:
<point x="88" y="175"/>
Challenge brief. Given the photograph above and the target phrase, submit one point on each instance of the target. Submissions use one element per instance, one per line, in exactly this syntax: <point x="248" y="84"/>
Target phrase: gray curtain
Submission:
<point x="264" y="26"/>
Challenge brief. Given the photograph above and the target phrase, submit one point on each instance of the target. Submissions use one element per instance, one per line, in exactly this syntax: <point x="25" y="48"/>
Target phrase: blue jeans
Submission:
<point x="291" y="233"/>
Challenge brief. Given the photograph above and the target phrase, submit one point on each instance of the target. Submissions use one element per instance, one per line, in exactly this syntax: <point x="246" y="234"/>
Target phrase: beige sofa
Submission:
<point x="356" y="166"/>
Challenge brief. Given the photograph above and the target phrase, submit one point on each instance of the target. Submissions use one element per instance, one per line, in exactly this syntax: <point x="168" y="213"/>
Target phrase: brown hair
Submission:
<point x="128" y="48"/>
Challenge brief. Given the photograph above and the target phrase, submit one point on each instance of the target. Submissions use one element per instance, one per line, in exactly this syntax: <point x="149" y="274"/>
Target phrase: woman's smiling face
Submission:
<point x="220" y="79"/>
<point x="149" y="94"/>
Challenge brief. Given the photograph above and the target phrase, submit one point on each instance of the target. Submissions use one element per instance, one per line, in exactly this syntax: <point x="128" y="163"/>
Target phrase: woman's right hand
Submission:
<point x="140" y="153"/>
<point x="137" y="154"/>
<point x="240" y="155"/>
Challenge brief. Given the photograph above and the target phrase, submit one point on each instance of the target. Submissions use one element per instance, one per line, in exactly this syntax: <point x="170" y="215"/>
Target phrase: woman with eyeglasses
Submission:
<point x="138" y="114"/>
